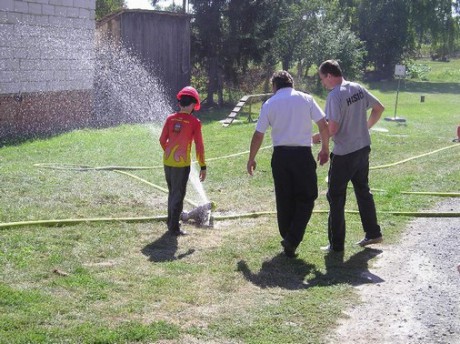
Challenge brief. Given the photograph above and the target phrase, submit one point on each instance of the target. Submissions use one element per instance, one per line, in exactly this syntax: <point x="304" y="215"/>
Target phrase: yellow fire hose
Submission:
<point x="122" y="169"/>
<point x="63" y="222"/>
<point x="413" y="157"/>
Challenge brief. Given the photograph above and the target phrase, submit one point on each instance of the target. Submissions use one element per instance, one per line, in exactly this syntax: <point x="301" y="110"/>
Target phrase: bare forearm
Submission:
<point x="324" y="134"/>
<point x="333" y="128"/>
<point x="375" y="115"/>
<point x="323" y="155"/>
<point x="256" y="142"/>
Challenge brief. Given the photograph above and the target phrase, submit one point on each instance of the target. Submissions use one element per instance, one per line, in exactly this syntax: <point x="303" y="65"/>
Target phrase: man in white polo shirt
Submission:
<point x="290" y="114"/>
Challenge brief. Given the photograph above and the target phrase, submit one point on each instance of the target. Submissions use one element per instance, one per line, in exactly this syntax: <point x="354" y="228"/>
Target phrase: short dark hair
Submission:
<point x="282" y="79"/>
<point x="187" y="100"/>
<point x="330" y="67"/>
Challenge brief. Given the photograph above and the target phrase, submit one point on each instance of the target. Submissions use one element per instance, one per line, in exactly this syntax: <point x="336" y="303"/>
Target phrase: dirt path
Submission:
<point x="418" y="301"/>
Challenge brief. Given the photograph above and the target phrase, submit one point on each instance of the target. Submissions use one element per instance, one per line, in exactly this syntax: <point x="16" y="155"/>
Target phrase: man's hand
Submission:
<point x="202" y="175"/>
<point x="251" y="166"/>
<point x="323" y="156"/>
<point x="316" y="138"/>
<point x="256" y="142"/>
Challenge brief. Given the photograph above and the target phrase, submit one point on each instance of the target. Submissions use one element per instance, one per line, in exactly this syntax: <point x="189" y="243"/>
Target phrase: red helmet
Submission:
<point x="190" y="91"/>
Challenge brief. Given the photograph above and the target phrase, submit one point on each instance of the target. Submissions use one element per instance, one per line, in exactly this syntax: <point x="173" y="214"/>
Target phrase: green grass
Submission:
<point x="120" y="282"/>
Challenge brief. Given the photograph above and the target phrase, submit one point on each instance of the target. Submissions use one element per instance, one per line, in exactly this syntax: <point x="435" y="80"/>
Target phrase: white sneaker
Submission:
<point x="328" y="249"/>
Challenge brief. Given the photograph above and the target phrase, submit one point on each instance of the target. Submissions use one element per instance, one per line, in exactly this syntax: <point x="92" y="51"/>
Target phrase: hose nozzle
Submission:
<point x="201" y="215"/>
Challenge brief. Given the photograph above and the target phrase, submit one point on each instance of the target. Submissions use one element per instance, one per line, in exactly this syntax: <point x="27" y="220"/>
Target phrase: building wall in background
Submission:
<point x="46" y="66"/>
<point x="161" y="40"/>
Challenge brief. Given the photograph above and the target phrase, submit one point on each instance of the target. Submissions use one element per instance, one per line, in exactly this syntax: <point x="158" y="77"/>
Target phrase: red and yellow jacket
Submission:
<point x="179" y="130"/>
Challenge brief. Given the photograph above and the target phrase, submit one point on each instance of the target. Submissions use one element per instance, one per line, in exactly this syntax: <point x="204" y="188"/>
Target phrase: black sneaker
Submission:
<point x="289" y="250"/>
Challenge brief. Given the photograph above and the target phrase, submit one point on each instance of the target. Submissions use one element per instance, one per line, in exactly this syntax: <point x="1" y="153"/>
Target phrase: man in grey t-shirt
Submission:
<point x="346" y="112"/>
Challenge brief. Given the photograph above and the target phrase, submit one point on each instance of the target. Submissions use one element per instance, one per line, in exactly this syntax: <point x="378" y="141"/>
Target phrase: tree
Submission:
<point x="421" y="19"/>
<point x="333" y="40"/>
<point x="310" y="32"/>
<point x="345" y="9"/>
<point x="172" y="8"/>
<point x="384" y="27"/>
<point x="228" y="35"/>
<point x="297" y="25"/>
<point x="444" y="29"/>
<point x="105" y="7"/>
<point x="393" y="29"/>
<point x="207" y="42"/>
<point x="434" y="23"/>
<point x="251" y="26"/>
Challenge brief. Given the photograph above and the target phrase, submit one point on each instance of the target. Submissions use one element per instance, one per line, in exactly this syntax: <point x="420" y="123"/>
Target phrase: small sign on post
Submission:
<point x="400" y="72"/>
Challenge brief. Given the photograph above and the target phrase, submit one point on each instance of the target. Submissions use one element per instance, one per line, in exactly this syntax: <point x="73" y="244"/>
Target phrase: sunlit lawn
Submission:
<point x="119" y="282"/>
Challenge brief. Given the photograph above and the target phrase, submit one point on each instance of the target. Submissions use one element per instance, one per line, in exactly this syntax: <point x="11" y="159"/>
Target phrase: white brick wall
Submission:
<point x="46" y="45"/>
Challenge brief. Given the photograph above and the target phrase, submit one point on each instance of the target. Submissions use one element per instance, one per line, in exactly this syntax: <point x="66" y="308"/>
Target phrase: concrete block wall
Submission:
<point x="47" y="52"/>
<point x="46" y="45"/>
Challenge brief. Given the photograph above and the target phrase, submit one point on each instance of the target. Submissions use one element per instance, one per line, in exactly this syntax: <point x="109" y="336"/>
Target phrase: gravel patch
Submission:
<point x="417" y="300"/>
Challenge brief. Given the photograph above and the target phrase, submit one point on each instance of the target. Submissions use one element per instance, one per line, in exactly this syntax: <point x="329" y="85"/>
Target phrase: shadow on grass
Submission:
<point x="354" y="271"/>
<point x="279" y="271"/>
<point x="290" y="274"/>
<point x="164" y="249"/>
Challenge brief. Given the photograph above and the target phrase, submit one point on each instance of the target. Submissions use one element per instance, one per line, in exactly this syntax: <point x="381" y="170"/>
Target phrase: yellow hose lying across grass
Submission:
<point x="427" y="193"/>
<point x="398" y="213"/>
<point x="121" y="170"/>
<point x="75" y="167"/>
<point x="62" y="222"/>
<point x="413" y="157"/>
<point x="154" y="185"/>
<point x="77" y="221"/>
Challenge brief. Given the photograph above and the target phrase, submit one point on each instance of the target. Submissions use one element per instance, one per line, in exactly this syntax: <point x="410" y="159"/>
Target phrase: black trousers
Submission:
<point x="352" y="167"/>
<point x="296" y="189"/>
<point x="176" y="178"/>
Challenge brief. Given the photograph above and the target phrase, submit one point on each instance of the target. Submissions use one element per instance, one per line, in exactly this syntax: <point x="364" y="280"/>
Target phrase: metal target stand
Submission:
<point x="400" y="72"/>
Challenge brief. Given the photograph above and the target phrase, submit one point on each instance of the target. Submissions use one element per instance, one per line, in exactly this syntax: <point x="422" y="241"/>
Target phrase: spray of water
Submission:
<point x="124" y="90"/>
<point x="51" y="58"/>
<point x="194" y="180"/>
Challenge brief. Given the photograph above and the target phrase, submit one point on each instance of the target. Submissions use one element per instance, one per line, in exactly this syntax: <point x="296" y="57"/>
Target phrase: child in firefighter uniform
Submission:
<point x="179" y="131"/>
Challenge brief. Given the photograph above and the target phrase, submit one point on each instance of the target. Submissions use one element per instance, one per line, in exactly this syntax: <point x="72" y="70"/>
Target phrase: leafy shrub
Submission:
<point x="418" y="71"/>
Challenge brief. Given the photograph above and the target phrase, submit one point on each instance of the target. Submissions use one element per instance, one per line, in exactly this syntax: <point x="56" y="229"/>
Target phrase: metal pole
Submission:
<point x="397" y="96"/>
<point x="395" y="118"/>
